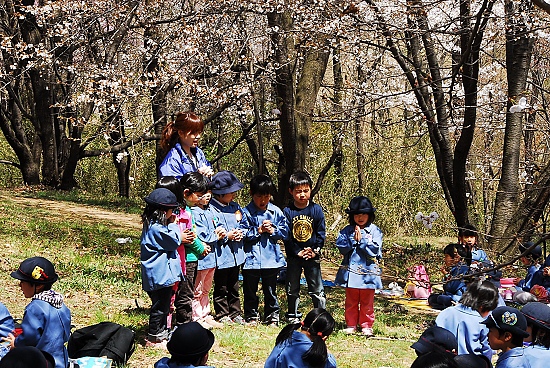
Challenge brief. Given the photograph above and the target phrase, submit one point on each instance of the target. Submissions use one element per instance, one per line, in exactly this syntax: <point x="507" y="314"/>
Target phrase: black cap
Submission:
<point x="538" y="313"/>
<point x="190" y="341"/>
<point x="36" y="270"/>
<point x="27" y="357"/>
<point x="360" y="204"/>
<point x="225" y="182"/>
<point x="507" y="319"/>
<point x="536" y="252"/>
<point x="436" y="338"/>
<point x="162" y="198"/>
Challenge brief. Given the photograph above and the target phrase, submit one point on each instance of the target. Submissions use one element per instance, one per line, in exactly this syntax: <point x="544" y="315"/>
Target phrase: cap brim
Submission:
<point x="231" y="189"/>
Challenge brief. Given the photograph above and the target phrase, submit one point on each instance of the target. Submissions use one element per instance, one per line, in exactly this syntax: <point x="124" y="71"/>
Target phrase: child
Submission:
<point x="468" y="240"/>
<point x="306" y="223"/>
<point x="194" y="187"/>
<point x="307" y="347"/>
<point x="160" y="262"/>
<point x="229" y="250"/>
<point x="463" y="320"/>
<point x="266" y="225"/>
<point x="27" y="357"/>
<point x="542" y="276"/>
<point x="530" y="260"/>
<point x="189" y="346"/>
<point x="453" y="286"/>
<point x="538" y="326"/>
<point x="360" y="243"/>
<point x="46" y="322"/>
<point x="436" y="339"/>
<point x="507" y="328"/>
<point x="208" y="234"/>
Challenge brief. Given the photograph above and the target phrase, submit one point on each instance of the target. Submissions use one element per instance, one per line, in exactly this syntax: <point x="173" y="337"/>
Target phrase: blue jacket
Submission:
<point x="166" y="363"/>
<point x="513" y="358"/>
<point x="306" y="229"/>
<point x="47" y="328"/>
<point x="288" y="354"/>
<point x="229" y="253"/>
<point x="360" y="257"/>
<point x="527" y="283"/>
<point x="262" y="250"/>
<point x="537" y="355"/>
<point x="205" y="227"/>
<point x="6" y="321"/>
<point x="464" y="323"/>
<point x="160" y="262"/>
<point x="455" y="288"/>
<point x="176" y="163"/>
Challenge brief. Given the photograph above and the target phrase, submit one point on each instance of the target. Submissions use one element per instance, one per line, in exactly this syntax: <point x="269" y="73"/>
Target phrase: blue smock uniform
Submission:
<point x="205" y="228"/>
<point x="288" y="354"/>
<point x="177" y="163"/>
<point x="537" y="355"/>
<point x="229" y="253"/>
<point x="513" y="358"/>
<point x="359" y="269"/>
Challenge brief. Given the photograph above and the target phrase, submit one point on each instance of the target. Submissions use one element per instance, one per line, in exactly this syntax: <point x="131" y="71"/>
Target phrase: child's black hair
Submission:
<point x="319" y="323"/>
<point x="194" y="182"/>
<point x="451" y="250"/>
<point x="153" y="214"/>
<point x="261" y="184"/>
<point x="516" y="340"/>
<point x="540" y="336"/>
<point x="351" y="221"/>
<point x="467" y="230"/>
<point x="481" y="296"/>
<point x="172" y="184"/>
<point x="299" y="178"/>
<point x="434" y="359"/>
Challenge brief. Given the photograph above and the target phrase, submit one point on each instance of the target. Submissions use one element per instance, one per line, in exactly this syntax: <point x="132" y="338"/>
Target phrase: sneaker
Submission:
<point x="240" y="320"/>
<point x="212" y="322"/>
<point x="252" y="322"/>
<point x="271" y="323"/>
<point x="367" y="331"/>
<point x="158" y="345"/>
<point x="293" y="320"/>
<point x="226" y="320"/>
<point x="349" y="330"/>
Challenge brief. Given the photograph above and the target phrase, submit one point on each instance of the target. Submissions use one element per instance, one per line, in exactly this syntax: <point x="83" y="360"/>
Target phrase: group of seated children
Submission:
<point x="470" y="333"/>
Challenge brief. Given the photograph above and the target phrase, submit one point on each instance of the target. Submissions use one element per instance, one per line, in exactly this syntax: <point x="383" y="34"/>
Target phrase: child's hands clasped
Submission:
<point x="266" y="227"/>
<point x="220" y="232"/>
<point x="307" y="253"/>
<point x="207" y="249"/>
<point x="357" y="234"/>
<point x="11" y="339"/>
<point x="235" y="235"/>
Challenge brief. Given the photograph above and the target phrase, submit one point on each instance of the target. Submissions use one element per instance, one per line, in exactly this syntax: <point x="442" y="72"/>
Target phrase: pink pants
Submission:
<point x="201" y="299"/>
<point x="359" y="307"/>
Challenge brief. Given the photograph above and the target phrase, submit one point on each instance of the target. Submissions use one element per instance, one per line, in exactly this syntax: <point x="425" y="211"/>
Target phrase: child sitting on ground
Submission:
<point x="454" y="285"/>
<point x="531" y="260"/>
<point x="538" y="326"/>
<point x="507" y="329"/>
<point x="304" y="348"/>
<point x="189" y="346"/>
<point x="463" y="320"/>
<point x="46" y="323"/>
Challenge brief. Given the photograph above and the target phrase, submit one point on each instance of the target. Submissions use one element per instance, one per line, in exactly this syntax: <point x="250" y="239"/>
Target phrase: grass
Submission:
<point x="100" y="279"/>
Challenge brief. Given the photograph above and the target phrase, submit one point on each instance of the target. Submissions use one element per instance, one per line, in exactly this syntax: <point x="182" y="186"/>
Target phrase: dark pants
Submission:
<point x="314" y="280"/>
<point x="184" y="294"/>
<point x="440" y="301"/>
<point x="160" y="308"/>
<point x="251" y="278"/>
<point x="226" y="292"/>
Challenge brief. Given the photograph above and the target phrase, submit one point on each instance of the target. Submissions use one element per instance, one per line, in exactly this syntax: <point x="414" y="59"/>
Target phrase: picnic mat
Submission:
<point x="411" y="303"/>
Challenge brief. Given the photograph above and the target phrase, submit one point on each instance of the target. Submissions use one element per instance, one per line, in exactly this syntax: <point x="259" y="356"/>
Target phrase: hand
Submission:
<point x="187" y="236"/>
<point x="235" y="235"/>
<point x="357" y="234"/>
<point x="11" y="339"/>
<point x="307" y="253"/>
<point x="266" y="227"/>
<point x="220" y="232"/>
<point x="207" y="249"/>
<point x="516" y="280"/>
<point x="206" y="171"/>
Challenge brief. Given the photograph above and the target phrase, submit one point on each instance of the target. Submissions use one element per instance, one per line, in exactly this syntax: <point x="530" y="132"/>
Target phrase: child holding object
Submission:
<point x="305" y="348"/>
<point x="361" y="244"/>
<point x="160" y="262"/>
<point x="46" y="323"/>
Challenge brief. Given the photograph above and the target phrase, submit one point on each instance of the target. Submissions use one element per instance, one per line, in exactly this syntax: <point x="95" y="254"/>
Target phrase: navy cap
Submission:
<point x="225" y="182"/>
<point x="27" y="357"/>
<point x="436" y="338"/>
<point x="472" y="361"/>
<point x="360" y="204"/>
<point x="536" y="252"/>
<point x="162" y="198"/>
<point x="507" y="319"/>
<point x="538" y="313"/>
<point x="190" y="341"/>
<point x="36" y="270"/>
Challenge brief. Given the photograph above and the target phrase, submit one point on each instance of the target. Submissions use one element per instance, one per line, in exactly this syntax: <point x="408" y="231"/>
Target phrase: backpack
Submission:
<point x="419" y="287"/>
<point x="105" y="339"/>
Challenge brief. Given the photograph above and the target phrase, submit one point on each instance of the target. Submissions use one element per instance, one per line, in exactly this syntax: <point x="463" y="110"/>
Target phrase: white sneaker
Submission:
<point x="367" y="331"/>
<point x="349" y="330"/>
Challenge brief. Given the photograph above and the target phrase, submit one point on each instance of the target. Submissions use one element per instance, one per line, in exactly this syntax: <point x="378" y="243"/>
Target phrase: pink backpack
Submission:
<point x="420" y="280"/>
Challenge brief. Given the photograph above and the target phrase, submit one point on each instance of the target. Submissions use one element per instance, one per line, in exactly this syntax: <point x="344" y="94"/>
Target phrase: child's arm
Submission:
<point x="167" y="237"/>
<point x="319" y="229"/>
<point x="371" y="243"/>
<point x="32" y="326"/>
<point x="345" y="241"/>
<point x="280" y="226"/>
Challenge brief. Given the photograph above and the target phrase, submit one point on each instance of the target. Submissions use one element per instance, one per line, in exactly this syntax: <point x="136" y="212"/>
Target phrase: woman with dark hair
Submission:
<point x="179" y="142"/>
<point x="305" y="348"/>
<point x="463" y="320"/>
